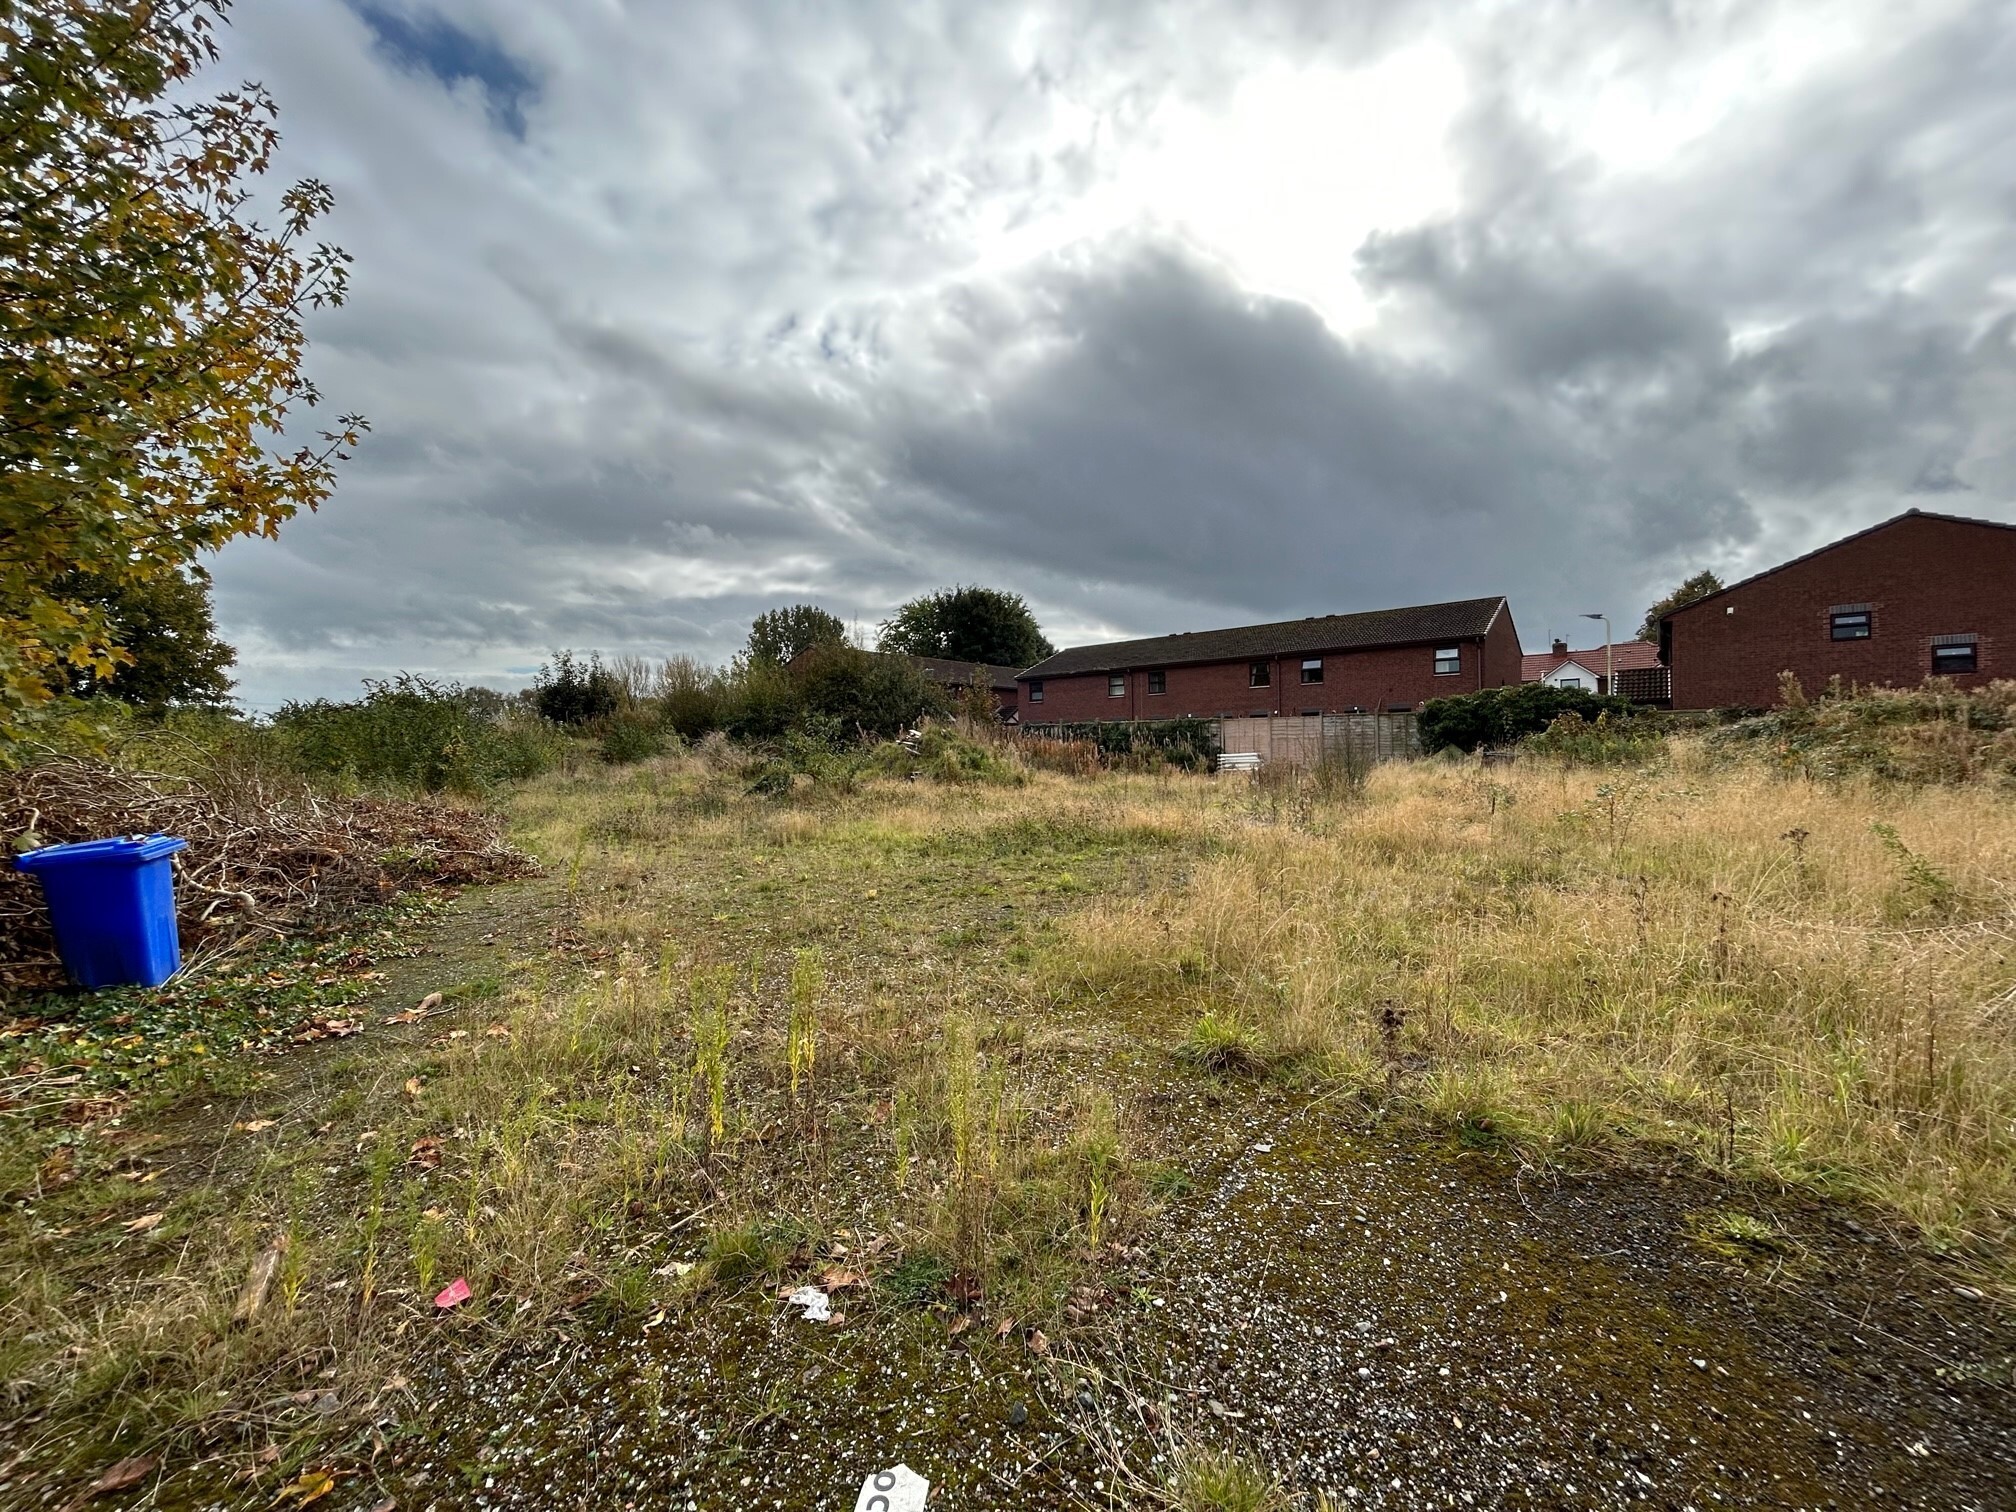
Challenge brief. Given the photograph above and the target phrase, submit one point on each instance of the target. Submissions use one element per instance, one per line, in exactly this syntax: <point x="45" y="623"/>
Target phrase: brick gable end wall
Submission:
<point x="1924" y="576"/>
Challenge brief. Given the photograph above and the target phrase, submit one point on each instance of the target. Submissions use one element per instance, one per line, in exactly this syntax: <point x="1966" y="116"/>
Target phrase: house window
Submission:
<point x="1312" y="670"/>
<point x="1310" y="713"/>
<point x="1855" y="623"/>
<point x="1158" y="681"/>
<point x="1116" y="685"/>
<point x="1259" y="675"/>
<point x="1570" y="682"/>
<point x="1954" y="653"/>
<point x="1448" y="659"/>
<point x="1035" y="690"/>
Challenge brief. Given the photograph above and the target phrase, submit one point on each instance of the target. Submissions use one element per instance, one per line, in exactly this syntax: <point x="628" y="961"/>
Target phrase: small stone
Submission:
<point x="1018" y="1414"/>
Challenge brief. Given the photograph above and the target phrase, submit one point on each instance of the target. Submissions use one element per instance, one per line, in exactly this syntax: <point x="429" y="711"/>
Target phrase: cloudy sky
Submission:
<point x="1166" y="315"/>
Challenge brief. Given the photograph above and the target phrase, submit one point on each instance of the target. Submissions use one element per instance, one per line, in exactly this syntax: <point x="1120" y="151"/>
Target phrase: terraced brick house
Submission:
<point x="1383" y="659"/>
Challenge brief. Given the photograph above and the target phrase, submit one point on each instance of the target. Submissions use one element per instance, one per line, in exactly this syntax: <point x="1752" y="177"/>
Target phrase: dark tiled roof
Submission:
<point x="944" y="669"/>
<point x="1466" y="619"/>
<point x="1909" y="514"/>
<point x="1632" y="655"/>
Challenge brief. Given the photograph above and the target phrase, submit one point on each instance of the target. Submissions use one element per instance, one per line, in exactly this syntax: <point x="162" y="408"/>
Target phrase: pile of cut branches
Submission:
<point x="266" y="856"/>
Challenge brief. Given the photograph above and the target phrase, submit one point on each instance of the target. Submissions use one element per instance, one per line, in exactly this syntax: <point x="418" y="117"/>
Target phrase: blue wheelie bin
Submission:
<point x="113" y="905"/>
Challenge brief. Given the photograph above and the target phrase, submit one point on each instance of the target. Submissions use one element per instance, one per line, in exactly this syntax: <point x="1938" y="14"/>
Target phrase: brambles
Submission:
<point x="412" y="731"/>
<point x="1931" y="734"/>
<point x="1605" y="741"/>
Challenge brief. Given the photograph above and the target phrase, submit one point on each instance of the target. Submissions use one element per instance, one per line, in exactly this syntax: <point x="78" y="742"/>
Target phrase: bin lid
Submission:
<point x="122" y="849"/>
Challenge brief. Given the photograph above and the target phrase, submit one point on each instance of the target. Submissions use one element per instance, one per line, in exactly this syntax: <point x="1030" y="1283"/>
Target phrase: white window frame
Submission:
<point x="1454" y="656"/>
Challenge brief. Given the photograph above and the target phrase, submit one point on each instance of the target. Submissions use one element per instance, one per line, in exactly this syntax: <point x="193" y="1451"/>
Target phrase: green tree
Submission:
<point x="164" y="625"/>
<point x="778" y="635"/>
<point x="571" y="691"/>
<point x="151" y="334"/>
<point x="1698" y="586"/>
<point x="968" y="624"/>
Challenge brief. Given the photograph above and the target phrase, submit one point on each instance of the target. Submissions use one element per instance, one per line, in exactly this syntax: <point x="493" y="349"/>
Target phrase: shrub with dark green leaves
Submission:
<point x="571" y="691"/>
<point x="1500" y="716"/>
<point x="851" y="692"/>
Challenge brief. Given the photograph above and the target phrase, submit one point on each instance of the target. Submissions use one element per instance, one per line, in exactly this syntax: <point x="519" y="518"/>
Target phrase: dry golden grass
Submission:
<point x="1808" y="982"/>
<point x="1783" y="979"/>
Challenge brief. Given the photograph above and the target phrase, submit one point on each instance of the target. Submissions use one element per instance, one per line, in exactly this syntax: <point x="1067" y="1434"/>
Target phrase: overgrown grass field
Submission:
<point x="902" y="1039"/>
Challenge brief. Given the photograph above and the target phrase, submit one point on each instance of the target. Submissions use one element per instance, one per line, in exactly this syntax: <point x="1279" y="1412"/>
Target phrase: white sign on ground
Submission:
<point x="897" y="1489"/>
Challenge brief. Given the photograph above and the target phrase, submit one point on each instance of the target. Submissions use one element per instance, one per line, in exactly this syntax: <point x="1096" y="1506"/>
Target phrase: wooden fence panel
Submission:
<point x="1305" y="739"/>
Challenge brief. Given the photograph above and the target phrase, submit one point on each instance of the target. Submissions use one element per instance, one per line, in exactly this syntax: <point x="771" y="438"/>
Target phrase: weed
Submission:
<point x="1578" y="1125"/>
<point x="1925" y="891"/>
<point x="1215" y="1480"/>
<point x="708" y="998"/>
<point x="1218" y="1043"/>
<point x="808" y="981"/>
<point x="1741" y="1236"/>
<point x="751" y="1250"/>
<point x="917" y="1280"/>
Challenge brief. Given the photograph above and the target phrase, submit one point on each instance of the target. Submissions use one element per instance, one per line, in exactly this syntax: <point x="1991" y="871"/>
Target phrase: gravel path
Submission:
<point x="1406" y="1328"/>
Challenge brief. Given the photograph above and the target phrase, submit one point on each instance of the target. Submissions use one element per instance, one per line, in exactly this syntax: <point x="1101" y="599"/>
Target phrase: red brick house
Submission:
<point x="957" y="676"/>
<point x="1327" y="664"/>
<point x="1588" y="669"/>
<point x="1921" y="595"/>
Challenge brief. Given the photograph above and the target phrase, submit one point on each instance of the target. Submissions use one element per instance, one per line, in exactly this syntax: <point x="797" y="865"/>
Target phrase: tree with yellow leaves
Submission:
<point x="151" y="335"/>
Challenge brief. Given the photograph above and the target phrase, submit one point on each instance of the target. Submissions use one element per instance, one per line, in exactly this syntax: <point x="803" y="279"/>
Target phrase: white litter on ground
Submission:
<point x="818" y="1307"/>
<point x="897" y="1489"/>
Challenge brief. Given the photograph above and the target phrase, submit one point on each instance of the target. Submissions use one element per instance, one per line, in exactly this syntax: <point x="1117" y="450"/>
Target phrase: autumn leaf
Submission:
<point x="255" y="1125"/>
<point x="838" y="1278"/>
<point x="126" y="1472"/>
<point x="312" y="1486"/>
<point x="146" y="1223"/>
<point x="1038" y="1345"/>
<point x="413" y="1086"/>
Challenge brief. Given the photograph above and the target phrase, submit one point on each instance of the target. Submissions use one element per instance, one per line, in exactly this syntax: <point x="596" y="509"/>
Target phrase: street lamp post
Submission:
<point x="1609" y="655"/>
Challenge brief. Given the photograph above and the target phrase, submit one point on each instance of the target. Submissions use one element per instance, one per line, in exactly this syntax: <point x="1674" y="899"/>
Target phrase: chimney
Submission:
<point x="1560" y="648"/>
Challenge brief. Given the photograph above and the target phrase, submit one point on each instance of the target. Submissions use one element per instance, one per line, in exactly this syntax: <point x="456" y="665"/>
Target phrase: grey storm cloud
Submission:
<point x="665" y="314"/>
